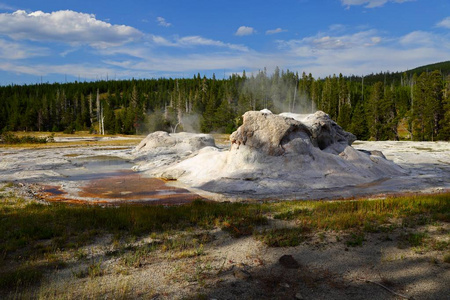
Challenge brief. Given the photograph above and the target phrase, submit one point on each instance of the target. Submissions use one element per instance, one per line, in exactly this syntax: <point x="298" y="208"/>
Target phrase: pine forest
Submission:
<point x="413" y="105"/>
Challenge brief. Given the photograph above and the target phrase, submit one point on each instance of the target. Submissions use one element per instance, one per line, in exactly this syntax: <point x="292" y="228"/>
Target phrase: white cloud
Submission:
<point x="364" y="52"/>
<point x="335" y="51"/>
<point x="68" y="51"/>
<point x="337" y="27"/>
<point x="65" y="26"/>
<point x="327" y="42"/>
<point x="444" y="23"/>
<point x="191" y="41"/>
<point x="375" y="40"/>
<point x="245" y="30"/>
<point x="418" y="38"/>
<point x="87" y="71"/>
<point x="200" y="41"/>
<point x="323" y="54"/>
<point x="275" y="31"/>
<point x="194" y="62"/>
<point x="13" y="50"/>
<point x="370" y="3"/>
<point x="162" y="22"/>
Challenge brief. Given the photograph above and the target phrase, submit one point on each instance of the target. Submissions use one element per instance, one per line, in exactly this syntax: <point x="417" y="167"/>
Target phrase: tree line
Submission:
<point x="395" y="106"/>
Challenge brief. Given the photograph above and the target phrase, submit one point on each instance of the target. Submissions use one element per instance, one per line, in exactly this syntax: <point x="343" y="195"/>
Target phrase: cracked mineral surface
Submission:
<point x="290" y="156"/>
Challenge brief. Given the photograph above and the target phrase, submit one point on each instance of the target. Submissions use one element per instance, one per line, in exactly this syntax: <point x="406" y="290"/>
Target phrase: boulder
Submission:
<point x="325" y="133"/>
<point x="274" y="134"/>
<point x="267" y="133"/>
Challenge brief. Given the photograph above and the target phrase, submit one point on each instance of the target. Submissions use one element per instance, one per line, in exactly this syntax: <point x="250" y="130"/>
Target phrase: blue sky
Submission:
<point x="88" y="40"/>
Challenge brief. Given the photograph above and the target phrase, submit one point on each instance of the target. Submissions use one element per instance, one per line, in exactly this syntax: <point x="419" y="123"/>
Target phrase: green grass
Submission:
<point x="47" y="140"/>
<point x="356" y="239"/>
<point x="283" y="237"/>
<point x="34" y="236"/>
<point x="10" y="138"/>
<point x="74" y="226"/>
<point x="369" y="215"/>
<point x="26" y="225"/>
<point x="183" y="246"/>
<point x="416" y="239"/>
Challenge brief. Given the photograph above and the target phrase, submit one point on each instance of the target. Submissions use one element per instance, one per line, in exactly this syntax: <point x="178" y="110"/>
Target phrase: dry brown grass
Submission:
<point x="115" y="140"/>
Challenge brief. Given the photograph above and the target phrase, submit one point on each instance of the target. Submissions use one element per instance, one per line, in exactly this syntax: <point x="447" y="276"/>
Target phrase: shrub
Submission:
<point x="10" y="138"/>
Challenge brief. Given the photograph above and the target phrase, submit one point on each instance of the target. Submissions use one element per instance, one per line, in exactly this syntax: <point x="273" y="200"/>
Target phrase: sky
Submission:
<point x="63" y="41"/>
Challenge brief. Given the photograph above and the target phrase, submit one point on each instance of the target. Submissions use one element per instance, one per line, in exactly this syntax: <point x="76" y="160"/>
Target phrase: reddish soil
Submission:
<point x="130" y="188"/>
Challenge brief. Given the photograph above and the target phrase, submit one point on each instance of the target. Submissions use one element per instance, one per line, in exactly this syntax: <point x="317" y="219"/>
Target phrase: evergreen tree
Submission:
<point x="374" y="111"/>
<point x="359" y="122"/>
<point x="427" y="106"/>
<point x="444" y="133"/>
<point x="224" y="117"/>
<point x="373" y="105"/>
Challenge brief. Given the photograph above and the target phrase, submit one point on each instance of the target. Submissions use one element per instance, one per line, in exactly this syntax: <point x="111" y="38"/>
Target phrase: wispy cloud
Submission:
<point x="181" y="63"/>
<point x="65" y="26"/>
<point x="13" y="50"/>
<point x="162" y="22"/>
<point x="4" y="6"/>
<point x="192" y="41"/>
<point x="275" y="31"/>
<point x="88" y="71"/>
<point x="370" y="3"/>
<point x="324" y="41"/>
<point x="131" y="53"/>
<point x="364" y="52"/>
<point x="444" y="23"/>
<point x="245" y="30"/>
<point x="337" y="27"/>
<point x="200" y="41"/>
<point x="419" y="38"/>
<point x="322" y="55"/>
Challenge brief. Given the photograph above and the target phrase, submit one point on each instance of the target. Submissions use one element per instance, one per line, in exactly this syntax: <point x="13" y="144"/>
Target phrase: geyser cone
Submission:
<point x="277" y="155"/>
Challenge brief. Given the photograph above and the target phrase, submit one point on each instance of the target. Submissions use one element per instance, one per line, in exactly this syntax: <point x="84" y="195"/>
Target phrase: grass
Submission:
<point x="95" y="269"/>
<point x="29" y="140"/>
<point x="416" y="239"/>
<point x="105" y="143"/>
<point x="74" y="226"/>
<point x="36" y="238"/>
<point x="21" y="277"/>
<point x="136" y="257"/>
<point x="28" y="224"/>
<point x="447" y="258"/>
<point x="177" y="247"/>
<point x="10" y="138"/>
<point x="4" y="187"/>
<point x="283" y="237"/>
<point x="369" y="215"/>
<point x="356" y="239"/>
